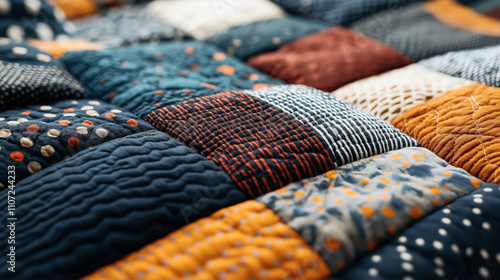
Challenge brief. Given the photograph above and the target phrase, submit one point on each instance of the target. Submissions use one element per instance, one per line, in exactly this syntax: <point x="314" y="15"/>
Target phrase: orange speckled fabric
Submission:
<point x="245" y="241"/>
<point x="58" y="48"/>
<point x="77" y="8"/>
<point x="461" y="127"/>
<point x="330" y="59"/>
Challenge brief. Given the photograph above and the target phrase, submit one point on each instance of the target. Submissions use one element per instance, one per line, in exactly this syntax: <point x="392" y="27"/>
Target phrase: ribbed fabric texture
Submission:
<point x="481" y="65"/>
<point x="390" y="94"/>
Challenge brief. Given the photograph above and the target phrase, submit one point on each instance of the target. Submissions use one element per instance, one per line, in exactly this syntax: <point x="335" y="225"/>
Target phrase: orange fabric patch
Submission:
<point x="226" y="69"/>
<point x="462" y="17"/>
<point x="461" y="127"/>
<point x="58" y="48"/>
<point x="77" y="8"/>
<point x="17" y="156"/>
<point x="239" y="242"/>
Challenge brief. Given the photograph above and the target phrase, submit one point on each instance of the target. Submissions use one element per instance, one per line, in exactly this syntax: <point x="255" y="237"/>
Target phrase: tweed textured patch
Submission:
<point x="125" y="26"/>
<point x="245" y="241"/>
<point x="108" y="201"/>
<point x="37" y="19"/>
<point x="34" y="137"/>
<point x="29" y="76"/>
<point x="259" y="37"/>
<point x="203" y="19"/>
<point x="418" y="34"/>
<point x="340" y="12"/>
<point x="329" y="59"/>
<point x="461" y="127"/>
<point x="348" y="211"/>
<point x="480" y="65"/>
<point x="259" y="146"/>
<point x="350" y="133"/>
<point x="388" y="95"/>
<point x="142" y="78"/>
<point x="454" y="243"/>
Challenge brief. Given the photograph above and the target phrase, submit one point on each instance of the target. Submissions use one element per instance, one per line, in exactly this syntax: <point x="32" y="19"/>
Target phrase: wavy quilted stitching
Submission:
<point x="460" y="127"/>
<point x="111" y="200"/>
<point x="388" y="95"/>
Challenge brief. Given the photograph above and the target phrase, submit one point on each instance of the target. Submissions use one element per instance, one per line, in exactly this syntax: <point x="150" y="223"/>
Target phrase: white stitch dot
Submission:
<point x="402" y="239"/>
<point x="484" y="254"/>
<point x="469" y="252"/>
<point x="439" y="272"/>
<point x="438" y="245"/>
<point x="476" y="211"/>
<point x="406" y="256"/>
<point x="484" y="272"/>
<point x="446" y="211"/>
<point x="478" y="200"/>
<point x="376" y="258"/>
<point x="401" y="248"/>
<point x="442" y="232"/>
<point x="420" y="241"/>
<point x="446" y="221"/>
<point x="467" y="222"/>
<point x="373" y="272"/>
<point x="438" y="261"/>
<point x="407" y="266"/>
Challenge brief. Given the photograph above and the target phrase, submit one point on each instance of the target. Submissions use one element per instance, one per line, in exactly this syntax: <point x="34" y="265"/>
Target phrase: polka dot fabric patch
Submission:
<point x="29" y="76"/>
<point x="37" y="19"/>
<point x="457" y="242"/>
<point x="245" y="41"/>
<point x="245" y="241"/>
<point x="348" y="211"/>
<point x="37" y="136"/>
<point x="145" y="77"/>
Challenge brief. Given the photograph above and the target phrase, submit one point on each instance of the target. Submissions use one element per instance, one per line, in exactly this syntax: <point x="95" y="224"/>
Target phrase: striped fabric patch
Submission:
<point x="350" y="133"/>
<point x="259" y="146"/>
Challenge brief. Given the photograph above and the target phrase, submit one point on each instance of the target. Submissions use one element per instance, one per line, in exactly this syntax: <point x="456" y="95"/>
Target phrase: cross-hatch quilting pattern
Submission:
<point x="460" y="127"/>
<point x="245" y="241"/>
<point x="259" y="146"/>
<point x="390" y="94"/>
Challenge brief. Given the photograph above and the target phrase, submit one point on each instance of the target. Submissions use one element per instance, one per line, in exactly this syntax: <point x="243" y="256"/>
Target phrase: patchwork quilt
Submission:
<point x="249" y="139"/>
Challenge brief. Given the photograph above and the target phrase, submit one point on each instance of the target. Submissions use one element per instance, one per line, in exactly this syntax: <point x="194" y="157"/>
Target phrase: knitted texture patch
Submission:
<point x="245" y="41"/>
<point x="125" y="26"/>
<point x="390" y="94"/>
<point x="480" y="65"/>
<point x="461" y="127"/>
<point x="329" y="59"/>
<point x="29" y="76"/>
<point x="203" y="19"/>
<point x="418" y="34"/>
<point x="142" y="78"/>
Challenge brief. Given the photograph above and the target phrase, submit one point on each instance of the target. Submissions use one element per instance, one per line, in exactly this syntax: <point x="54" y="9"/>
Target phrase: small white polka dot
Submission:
<point x="407" y="266"/>
<point x="4" y="133"/>
<point x="467" y="222"/>
<point x="484" y="254"/>
<point x="477" y="195"/>
<point x="47" y="150"/>
<point x="49" y="115"/>
<point x="44" y="31"/>
<point x="22" y="120"/>
<point x="476" y="211"/>
<point x="455" y="248"/>
<point x="43" y="57"/>
<point x="442" y="231"/>
<point x="87" y="108"/>
<point x="401" y="248"/>
<point x="486" y="225"/>
<point x="4" y="6"/>
<point x="276" y="40"/>
<point x="82" y="130"/>
<point x="469" y="252"/>
<point x="408" y="278"/>
<point x="74" y="102"/>
<point x="406" y="256"/>
<point x="20" y="50"/>
<point x="237" y="42"/>
<point x="376" y="258"/>
<point x="478" y="200"/>
<point x="54" y="133"/>
<point x="402" y="239"/>
<point x="446" y="221"/>
<point x="373" y="272"/>
<point x="446" y="211"/>
<point x="26" y="142"/>
<point x="438" y="245"/>
<point x="439" y="272"/>
<point x="69" y="114"/>
<point x="33" y="6"/>
<point x="15" y="32"/>
<point x="45" y="108"/>
<point x="12" y="123"/>
<point x="92" y="113"/>
<point x="116" y="111"/>
<point x="484" y="272"/>
<point x="498" y="257"/>
<point x="420" y="241"/>
<point x="34" y="167"/>
<point x="438" y="261"/>
<point x="487" y="190"/>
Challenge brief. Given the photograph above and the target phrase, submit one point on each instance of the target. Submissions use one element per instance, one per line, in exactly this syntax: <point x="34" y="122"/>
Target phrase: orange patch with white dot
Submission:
<point x="239" y="242"/>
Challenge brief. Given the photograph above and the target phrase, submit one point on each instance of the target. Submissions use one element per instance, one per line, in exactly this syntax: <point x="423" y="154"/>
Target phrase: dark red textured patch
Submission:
<point x="259" y="146"/>
<point x="330" y="59"/>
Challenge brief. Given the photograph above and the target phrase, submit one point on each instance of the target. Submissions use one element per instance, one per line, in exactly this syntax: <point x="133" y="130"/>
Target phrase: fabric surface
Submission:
<point x="340" y="12"/>
<point x="20" y="19"/>
<point x="348" y="211"/>
<point x="144" y="77"/>
<point x="329" y="59"/>
<point x="453" y="243"/>
<point x="390" y="94"/>
<point x="461" y="127"/>
<point x="125" y="26"/>
<point x="110" y="200"/>
<point x="28" y="76"/>
<point x="34" y="137"/>
<point x="259" y="37"/>
<point x="57" y="49"/>
<point x="245" y="241"/>
<point x="479" y="65"/>
<point x="417" y="33"/>
<point x="266" y="133"/>
<point x="77" y="8"/>
<point x="203" y="19"/>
